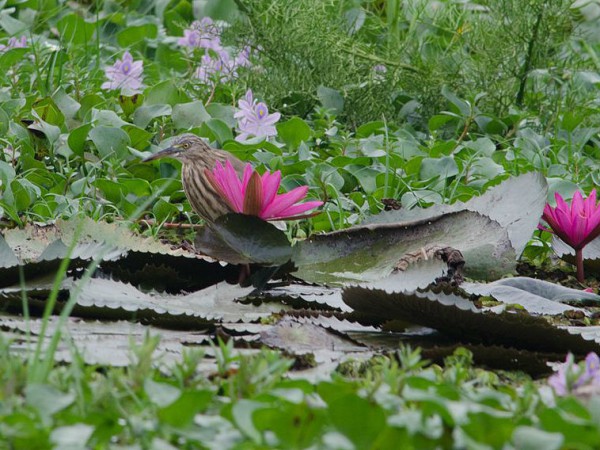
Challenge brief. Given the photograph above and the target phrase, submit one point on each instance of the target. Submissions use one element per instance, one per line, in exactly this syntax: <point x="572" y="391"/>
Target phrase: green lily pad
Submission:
<point x="455" y="315"/>
<point x="370" y="252"/>
<point x="242" y="239"/>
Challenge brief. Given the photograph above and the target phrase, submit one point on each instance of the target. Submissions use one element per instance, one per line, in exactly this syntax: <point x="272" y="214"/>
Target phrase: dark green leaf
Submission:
<point x="242" y="239"/>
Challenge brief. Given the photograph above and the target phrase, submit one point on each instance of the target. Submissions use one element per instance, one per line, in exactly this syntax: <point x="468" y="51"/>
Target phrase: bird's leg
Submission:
<point x="244" y="274"/>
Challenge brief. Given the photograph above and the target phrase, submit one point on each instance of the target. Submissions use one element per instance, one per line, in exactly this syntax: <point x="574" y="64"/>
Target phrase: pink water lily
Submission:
<point x="256" y="194"/>
<point x="577" y="224"/>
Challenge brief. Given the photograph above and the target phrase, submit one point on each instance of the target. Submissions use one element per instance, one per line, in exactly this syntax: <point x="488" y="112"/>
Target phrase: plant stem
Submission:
<point x="579" y="262"/>
<point x="529" y="58"/>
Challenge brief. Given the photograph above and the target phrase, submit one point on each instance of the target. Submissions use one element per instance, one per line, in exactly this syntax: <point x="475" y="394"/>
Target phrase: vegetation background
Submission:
<point x="383" y="103"/>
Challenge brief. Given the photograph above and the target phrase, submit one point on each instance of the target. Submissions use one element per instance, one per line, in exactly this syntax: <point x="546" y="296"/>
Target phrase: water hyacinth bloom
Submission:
<point x="572" y="378"/>
<point x="246" y="105"/>
<point x="242" y="59"/>
<point x="211" y="68"/>
<point x="576" y="224"/>
<point x="202" y="33"/>
<point x="254" y="118"/>
<point x="124" y="74"/>
<point x="256" y="194"/>
<point x="14" y="42"/>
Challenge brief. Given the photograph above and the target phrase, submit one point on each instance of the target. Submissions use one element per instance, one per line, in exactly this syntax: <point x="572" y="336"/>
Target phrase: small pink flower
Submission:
<point x="124" y="74"/>
<point x="256" y="194"/>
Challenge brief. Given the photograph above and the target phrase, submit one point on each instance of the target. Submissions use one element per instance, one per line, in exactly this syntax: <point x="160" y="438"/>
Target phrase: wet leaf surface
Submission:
<point x="536" y="296"/>
<point x="457" y="317"/>
<point x="242" y="239"/>
<point x="370" y="252"/>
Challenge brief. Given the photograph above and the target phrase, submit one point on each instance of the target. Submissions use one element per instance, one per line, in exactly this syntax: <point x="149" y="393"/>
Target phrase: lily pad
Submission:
<point x="516" y="204"/>
<point x="370" y="252"/>
<point x="315" y="297"/>
<point x="242" y="239"/>
<point x="110" y="343"/>
<point x="303" y="338"/>
<point x="217" y="303"/>
<point x="457" y="317"/>
<point x="536" y="296"/>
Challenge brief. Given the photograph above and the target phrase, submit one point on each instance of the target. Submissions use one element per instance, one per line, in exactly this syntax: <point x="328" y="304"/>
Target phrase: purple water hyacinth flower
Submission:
<point x="124" y="74"/>
<point x="246" y="105"/>
<point x="243" y="57"/>
<point x="572" y="378"/>
<point x="256" y="194"/>
<point x="213" y="67"/>
<point x="14" y="42"/>
<point x="202" y="34"/>
<point x="254" y="118"/>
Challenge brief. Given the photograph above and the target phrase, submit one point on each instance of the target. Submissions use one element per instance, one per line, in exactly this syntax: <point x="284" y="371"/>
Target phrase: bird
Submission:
<point x="196" y="156"/>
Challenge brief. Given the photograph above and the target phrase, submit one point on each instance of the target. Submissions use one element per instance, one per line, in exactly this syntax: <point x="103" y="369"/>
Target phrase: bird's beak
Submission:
<point x="169" y="152"/>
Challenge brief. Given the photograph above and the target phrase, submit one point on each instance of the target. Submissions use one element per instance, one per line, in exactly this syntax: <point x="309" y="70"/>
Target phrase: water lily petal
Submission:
<point x="254" y="195"/>
<point x="271" y="182"/>
<point x="298" y="209"/>
<point x="284" y="201"/>
<point x="576" y="205"/>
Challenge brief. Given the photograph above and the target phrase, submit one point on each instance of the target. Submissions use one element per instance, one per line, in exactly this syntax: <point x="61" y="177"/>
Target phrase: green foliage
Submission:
<point x="399" y="400"/>
<point x="472" y="92"/>
<point x="513" y="53"/>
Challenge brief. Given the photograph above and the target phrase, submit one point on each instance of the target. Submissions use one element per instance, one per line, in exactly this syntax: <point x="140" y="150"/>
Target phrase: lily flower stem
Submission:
<point x="579" y="263"/>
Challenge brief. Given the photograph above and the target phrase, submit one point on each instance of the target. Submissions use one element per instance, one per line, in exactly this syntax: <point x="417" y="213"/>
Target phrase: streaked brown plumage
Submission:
<point x="195" y="156"/>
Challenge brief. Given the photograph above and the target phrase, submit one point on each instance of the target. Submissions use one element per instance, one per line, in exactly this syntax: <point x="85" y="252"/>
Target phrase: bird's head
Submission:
<point x="185" y="146"/>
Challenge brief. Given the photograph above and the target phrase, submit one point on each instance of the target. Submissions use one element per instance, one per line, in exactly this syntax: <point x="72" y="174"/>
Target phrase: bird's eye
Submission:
<point x="186" y="145"/>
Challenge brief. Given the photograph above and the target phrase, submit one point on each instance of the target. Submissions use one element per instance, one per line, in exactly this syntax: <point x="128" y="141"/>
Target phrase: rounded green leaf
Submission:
<point x="110" y="141"/>
<point x="294" y="131"/>
<point x="135" y="34"/>
<point x="331" y="99"/>
<point x="78" y="137"/>
<point x="144" y="114"/>
<point x="165" y="93"/>
<point x="441" y="167"/>
<point x="189" y="115"/>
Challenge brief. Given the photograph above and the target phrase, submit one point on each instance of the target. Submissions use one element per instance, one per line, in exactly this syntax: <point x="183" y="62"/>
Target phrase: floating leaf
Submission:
<point x="294" y="131"/>
<point x="591" y="253"/>
<point x="331" y="99"/>
<point x="536" y="296"/>
<point x="370" y="252"/>
<point x="189" y="115"/>
<point x="243" y="239"/>
<point x="316" y="297"/>
<point x="108" y="343"/>
<point x="110" y="142"/>
<point x="146" y="113"/>
<point x="302" y="338"/>
<point x="516" y="204"/>
<point x="456" y="316"/>
<point x="213" y="304"/>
